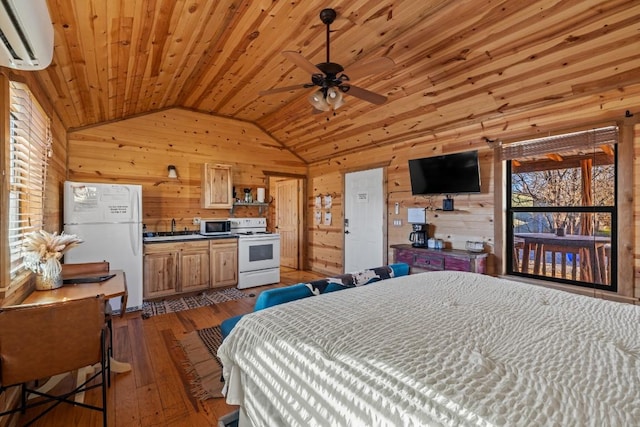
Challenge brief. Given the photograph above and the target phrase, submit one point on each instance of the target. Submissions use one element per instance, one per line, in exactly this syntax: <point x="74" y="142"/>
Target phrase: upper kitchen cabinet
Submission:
<point x="217" y="188"/>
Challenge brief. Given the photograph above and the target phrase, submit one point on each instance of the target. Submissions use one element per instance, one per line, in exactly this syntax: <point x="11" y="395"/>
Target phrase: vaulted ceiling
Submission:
<point x="457" y="61"/>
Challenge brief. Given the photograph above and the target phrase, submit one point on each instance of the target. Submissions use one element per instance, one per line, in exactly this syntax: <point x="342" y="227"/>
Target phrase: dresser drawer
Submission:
<point x="458" y="264"/>
<point x="405" y="256"/>
<point x="429" y="261"/>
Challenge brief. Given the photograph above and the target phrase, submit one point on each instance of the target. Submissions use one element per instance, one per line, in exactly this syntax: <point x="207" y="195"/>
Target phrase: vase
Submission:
<point x="48" y="283"/>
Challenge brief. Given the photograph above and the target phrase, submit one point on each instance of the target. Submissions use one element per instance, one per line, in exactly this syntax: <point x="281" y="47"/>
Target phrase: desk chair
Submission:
<point x="94" y="269"/>
<point x="39" y="341"/>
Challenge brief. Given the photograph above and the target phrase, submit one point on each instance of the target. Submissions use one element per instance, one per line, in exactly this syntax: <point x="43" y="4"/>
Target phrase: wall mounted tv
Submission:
<point x="448" y="174"/>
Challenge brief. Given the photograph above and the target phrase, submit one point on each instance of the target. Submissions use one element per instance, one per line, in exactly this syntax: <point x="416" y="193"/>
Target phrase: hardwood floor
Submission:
<point x="156" y="391"/>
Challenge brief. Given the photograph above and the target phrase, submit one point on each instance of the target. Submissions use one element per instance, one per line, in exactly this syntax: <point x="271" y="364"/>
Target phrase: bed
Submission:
<point x="438" y="348"/>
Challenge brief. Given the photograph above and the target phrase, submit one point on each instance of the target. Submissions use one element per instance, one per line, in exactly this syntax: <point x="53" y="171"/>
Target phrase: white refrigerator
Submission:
<point x="108" y="218"/>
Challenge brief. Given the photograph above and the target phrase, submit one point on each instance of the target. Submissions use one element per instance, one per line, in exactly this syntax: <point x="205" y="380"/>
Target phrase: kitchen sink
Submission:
<point x="166" y="236"/>
<point x="173" y="233"/>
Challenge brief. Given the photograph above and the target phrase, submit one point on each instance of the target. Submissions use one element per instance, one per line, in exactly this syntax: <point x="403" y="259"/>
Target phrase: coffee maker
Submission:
<point x="419" y="235"/>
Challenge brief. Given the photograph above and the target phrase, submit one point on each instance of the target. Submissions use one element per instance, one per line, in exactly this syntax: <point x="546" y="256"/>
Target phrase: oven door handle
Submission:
<point x="269" y="239"/>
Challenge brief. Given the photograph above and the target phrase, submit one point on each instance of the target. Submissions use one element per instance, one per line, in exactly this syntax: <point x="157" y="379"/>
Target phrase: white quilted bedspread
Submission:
<point x="441" y="348"/>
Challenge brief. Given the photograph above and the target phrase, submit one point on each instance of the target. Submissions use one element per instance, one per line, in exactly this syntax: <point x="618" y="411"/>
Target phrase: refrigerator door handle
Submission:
<point x="136" y="232"/>
<point x="135" y="237"/>
<point x="135" y="203"/>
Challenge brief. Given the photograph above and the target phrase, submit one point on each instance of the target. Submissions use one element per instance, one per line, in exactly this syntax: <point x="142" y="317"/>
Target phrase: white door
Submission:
<point x="364" y="220"/>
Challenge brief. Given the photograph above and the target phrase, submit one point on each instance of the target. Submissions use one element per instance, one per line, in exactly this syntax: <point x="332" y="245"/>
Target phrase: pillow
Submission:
<point x="349" y="280"/>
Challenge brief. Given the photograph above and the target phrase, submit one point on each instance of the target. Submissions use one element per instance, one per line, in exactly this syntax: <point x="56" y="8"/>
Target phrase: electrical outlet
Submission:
<point x="196" y="220"/>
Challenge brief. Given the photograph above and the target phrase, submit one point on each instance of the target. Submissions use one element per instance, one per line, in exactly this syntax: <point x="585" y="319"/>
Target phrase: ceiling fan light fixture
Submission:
<point x="318" y="101"/>
<point x="331" y="78"/>
<point x="335" y="98"/>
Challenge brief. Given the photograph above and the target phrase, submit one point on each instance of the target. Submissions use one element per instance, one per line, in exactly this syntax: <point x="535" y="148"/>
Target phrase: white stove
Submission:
<point x="258" y="252"/>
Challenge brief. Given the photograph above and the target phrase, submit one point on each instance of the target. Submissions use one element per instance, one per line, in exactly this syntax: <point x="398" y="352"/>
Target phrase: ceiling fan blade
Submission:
<point x="301" y="62"/>
<point x="281" y="89"/>
<point x="364" y="68"/>
<point x="366" y="95"/>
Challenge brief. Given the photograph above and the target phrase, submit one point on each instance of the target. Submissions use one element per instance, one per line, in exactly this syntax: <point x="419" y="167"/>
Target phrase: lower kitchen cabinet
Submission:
<point x="195" y="265"/>
<point x="160" y="270"/>
<point x="171" y="268"/>
<point x="224" y="262"/>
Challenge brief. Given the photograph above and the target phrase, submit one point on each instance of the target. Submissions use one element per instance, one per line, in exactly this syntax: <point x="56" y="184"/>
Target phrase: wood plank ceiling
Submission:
<point x="457" y="62"/>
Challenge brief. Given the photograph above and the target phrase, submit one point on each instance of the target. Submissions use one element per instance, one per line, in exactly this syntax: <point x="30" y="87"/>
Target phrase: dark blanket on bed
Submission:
<point x="351" y="280"/>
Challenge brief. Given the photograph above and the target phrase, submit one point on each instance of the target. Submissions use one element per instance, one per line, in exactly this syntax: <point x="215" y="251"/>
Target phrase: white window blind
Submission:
<point x="30" y="141"/>
<point x="587" y="139"/>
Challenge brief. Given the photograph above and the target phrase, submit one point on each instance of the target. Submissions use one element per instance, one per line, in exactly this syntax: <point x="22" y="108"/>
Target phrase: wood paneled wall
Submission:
<point x="475" y="215"/>
<point x="56" y="175"/>
<point x="472" y="220"/>
<point x="138" y="151"/>
<point x="326" y="242"/>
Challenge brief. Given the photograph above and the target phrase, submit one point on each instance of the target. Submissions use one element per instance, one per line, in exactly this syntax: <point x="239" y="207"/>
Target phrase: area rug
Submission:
<point x="202" y="365"/>
<point x="152" y="308"/>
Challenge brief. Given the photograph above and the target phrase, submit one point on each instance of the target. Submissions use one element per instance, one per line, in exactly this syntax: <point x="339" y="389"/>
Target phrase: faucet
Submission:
<point x="173" y="225"/>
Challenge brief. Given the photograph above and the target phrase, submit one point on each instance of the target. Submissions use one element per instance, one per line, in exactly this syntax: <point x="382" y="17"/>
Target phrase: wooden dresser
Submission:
<point x="424" y="259"/>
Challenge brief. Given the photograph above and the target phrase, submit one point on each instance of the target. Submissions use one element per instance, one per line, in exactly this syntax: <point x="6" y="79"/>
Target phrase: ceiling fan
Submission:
<point x="331" y="78"/>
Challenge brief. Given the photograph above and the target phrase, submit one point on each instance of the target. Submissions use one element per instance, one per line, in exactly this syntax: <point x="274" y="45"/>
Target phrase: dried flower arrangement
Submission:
<point x="43" y="251"/>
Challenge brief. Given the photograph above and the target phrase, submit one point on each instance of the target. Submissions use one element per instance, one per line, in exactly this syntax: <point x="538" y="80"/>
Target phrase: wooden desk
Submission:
<point x="112" y="288"/>
<point x="592" y="250"/>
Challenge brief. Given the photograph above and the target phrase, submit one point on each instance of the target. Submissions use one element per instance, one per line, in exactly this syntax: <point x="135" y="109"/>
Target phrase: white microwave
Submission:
<point x="215" y="227"/>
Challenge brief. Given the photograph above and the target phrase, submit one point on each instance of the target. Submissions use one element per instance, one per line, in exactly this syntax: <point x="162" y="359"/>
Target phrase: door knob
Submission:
<point x="346" y="231"/>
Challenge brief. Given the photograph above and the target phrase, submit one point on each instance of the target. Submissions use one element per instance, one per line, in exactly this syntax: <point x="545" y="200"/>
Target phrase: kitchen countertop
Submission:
<point x="181" y="237"/>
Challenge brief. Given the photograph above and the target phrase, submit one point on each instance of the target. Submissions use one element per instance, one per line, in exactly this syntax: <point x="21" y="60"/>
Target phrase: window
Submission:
<point x="29" y="145"/>
<point x="561" y="208"/>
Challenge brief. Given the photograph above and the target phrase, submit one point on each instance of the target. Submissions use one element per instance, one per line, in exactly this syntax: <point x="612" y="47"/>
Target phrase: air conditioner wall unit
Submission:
<point x="26" y="34"/>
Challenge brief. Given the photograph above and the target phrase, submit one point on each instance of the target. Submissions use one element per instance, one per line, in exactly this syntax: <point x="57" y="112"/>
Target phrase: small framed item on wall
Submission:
<point x="327" y="218"/>
<point x="328" y="200"/>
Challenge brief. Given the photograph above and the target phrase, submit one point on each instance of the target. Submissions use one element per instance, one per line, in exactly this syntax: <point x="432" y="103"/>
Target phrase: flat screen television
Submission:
<point x="447" y="174"/>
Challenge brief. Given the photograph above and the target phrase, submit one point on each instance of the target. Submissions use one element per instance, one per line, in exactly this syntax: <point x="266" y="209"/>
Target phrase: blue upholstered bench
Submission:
<point x="276" y="296"/>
